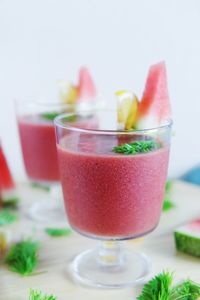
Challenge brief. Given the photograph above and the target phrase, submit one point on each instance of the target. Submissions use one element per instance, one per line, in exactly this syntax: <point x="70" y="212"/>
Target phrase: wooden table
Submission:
<point x="56" y="253"/>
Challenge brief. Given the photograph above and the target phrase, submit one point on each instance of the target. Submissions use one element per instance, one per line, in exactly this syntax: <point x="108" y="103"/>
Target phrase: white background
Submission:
<point x="42" y="41"/>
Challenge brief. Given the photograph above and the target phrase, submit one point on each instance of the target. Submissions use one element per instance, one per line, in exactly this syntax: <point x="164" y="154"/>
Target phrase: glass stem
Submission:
<point x="56" y="194"/>
<point x="111" y="254"/>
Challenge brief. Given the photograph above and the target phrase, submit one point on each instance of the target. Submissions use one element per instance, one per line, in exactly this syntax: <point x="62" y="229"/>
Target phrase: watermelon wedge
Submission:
<point x="7" y="184"/>
<point x="154" y="108"/>
<point x="86" y="86"/>
<point x="6" y="180"/>
<point x="187" y="238"/>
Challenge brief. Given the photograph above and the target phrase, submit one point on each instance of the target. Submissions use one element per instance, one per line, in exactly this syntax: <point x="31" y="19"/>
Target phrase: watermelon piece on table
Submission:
<point x="86" y="86"/>
<point x="187" y="238"/>
<point x="154" y="108"/>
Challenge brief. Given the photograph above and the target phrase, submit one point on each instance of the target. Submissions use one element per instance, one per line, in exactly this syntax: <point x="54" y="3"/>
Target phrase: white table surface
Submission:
<point x="56" y="253"/>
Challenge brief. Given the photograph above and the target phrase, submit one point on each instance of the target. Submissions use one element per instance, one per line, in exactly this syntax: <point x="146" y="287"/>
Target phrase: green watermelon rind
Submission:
<point x="187" y="243"/>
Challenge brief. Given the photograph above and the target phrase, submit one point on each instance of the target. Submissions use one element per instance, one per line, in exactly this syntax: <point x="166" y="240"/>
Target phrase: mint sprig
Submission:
<point x="187" y="290"/>
<point x="136" y="147"/>
<point x="53" y="115"/>
<point x="157" y="288"/>
<point x="23" y="257"/>
<point x="50" y="116"/>
<point x="161" y="288"/>
<point x="37" y="295"/>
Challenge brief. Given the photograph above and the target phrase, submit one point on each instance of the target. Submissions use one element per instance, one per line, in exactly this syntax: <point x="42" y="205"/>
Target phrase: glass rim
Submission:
<point x="68" y="125"/>
<point x="40" y="102"/>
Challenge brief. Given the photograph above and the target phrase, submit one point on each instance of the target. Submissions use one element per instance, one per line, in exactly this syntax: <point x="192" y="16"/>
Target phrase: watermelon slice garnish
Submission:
<point x="84" y="91"/>
<point x="187" y="238"/>
<point x="154" y="107"/>
<point x="8" y="192"/>
<point x="6" y="179"/>
<point x="86" y="86"/>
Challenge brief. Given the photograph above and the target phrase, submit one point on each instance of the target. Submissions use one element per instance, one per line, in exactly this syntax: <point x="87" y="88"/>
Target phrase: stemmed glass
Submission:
<point x="111" y="196"/>
<point x="38" y="143"/>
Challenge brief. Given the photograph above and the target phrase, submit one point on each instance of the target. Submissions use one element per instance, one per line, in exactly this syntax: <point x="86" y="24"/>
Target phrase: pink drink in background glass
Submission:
<point x="38" y="144"/>
<point x="107" y="194"/>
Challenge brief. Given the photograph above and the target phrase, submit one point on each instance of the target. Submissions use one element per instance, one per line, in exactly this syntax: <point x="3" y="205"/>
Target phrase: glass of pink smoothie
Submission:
<point x="111" y="196"/>
<point x="38" y="144"/>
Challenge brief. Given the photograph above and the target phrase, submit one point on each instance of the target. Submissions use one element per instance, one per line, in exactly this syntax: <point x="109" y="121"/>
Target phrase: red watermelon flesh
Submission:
<point x="86" y="86"/>
<point x="155" y="104"/>
<point x="6" y="180"/>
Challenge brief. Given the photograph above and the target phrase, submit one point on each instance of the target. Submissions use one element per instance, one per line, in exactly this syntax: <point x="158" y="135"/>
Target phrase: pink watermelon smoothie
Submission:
<point x="108" y="194"/>
<point x="38" y="144"/>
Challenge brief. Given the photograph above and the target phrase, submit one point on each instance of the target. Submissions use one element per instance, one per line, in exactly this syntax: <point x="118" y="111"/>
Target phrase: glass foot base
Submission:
<point x="47" y="212"/>
<point x="131" y="270"/>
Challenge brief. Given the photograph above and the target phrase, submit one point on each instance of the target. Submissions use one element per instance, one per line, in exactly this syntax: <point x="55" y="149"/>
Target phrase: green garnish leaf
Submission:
<point x="50" y="116"/>
<point x="23" y="257"/>
<point x="137" y="147"/>
<point x="53" y="115"/>
<point x="11" y="202"/>
<point x="160" y="288"/>
<point x="157" y="288"/>
<point x="167" y="204"/>
<point x="56" y="232"/>
<point x="187" y="290"/>
<point x="37" y="295"/>
<point x="6" y="217"/>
